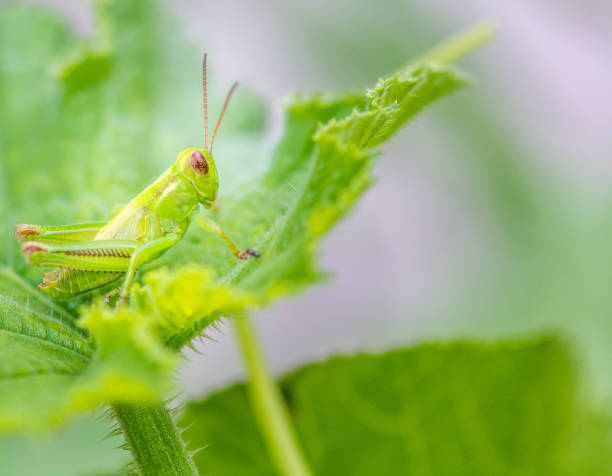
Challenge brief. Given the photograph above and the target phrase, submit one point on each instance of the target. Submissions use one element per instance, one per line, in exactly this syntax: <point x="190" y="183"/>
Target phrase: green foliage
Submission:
<point x="320" y="169"/>
<point x="107" y="117"/>
<point x="185" y="301"/>
<point x="93" y="111"/>
<point x="446" y="409"/>
<point x="81" y="449"/>
<point x="60" y="153"/>
<point x="50" y="369"/>
<point x="83" y="144"/>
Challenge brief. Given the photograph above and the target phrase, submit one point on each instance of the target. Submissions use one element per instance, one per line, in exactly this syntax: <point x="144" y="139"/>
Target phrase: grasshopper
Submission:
<point x="90" y="255"/>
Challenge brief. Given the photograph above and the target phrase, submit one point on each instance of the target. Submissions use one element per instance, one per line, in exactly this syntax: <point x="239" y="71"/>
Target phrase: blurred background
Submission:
<point x="492" y="214"/>
<point x="491" y="211"/>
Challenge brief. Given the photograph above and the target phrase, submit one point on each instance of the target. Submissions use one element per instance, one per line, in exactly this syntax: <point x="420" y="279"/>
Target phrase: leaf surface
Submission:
<point x="510" y="408"/>
<point x="51" y="369"/>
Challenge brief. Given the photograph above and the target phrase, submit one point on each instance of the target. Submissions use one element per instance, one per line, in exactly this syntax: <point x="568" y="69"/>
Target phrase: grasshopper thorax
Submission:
<point x="198" y="166"/>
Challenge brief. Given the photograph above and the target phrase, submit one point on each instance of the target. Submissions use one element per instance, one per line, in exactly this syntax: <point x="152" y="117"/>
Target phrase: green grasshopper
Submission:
<point x="91" y="255"/>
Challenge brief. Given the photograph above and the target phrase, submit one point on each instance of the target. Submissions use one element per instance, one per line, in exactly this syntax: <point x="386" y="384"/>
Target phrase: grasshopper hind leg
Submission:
<point x="64" y="283"/>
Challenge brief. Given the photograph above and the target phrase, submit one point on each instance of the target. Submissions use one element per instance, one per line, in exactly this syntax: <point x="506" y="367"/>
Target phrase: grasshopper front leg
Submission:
<point x="209" y="225"/>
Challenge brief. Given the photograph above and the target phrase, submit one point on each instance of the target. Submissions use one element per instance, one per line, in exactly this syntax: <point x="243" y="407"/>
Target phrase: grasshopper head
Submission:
<point x="197" y="163"/>
<point x="198" y="166"/>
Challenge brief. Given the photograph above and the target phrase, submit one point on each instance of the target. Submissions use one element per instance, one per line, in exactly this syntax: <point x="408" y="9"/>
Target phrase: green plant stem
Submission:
<point x="461" y="44"/>
<point x="270" y="411"/>
<point x="154" y="440"/>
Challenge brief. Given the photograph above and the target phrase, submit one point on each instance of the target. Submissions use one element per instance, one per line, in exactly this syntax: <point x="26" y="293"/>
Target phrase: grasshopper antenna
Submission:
<point x="205" y="102"/>
<point x="227" y="100"/>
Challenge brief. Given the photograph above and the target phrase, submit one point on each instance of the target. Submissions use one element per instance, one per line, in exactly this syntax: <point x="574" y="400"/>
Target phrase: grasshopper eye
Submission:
<point x="198" y="163"/>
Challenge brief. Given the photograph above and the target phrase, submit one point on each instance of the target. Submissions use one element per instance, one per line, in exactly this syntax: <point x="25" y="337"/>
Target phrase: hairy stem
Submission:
<point x="154" y="440"/>
<point x="270" y="411"/>
<point x="461" y="44"/>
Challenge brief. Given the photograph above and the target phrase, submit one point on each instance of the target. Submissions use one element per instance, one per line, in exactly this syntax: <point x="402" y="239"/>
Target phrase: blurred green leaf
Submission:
<point x="512" y="408"/>
<point x="41" y="350"/>
<point x="51" y="370"/>
<point x="548" y="261"/>
<point x="82" y="449"/>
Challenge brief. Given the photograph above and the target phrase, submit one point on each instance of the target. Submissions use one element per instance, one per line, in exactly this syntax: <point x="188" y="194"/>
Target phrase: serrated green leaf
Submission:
<point x="443" y="409"/>
<point x="185" y="301"/>
<point x="320" y="169"/>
